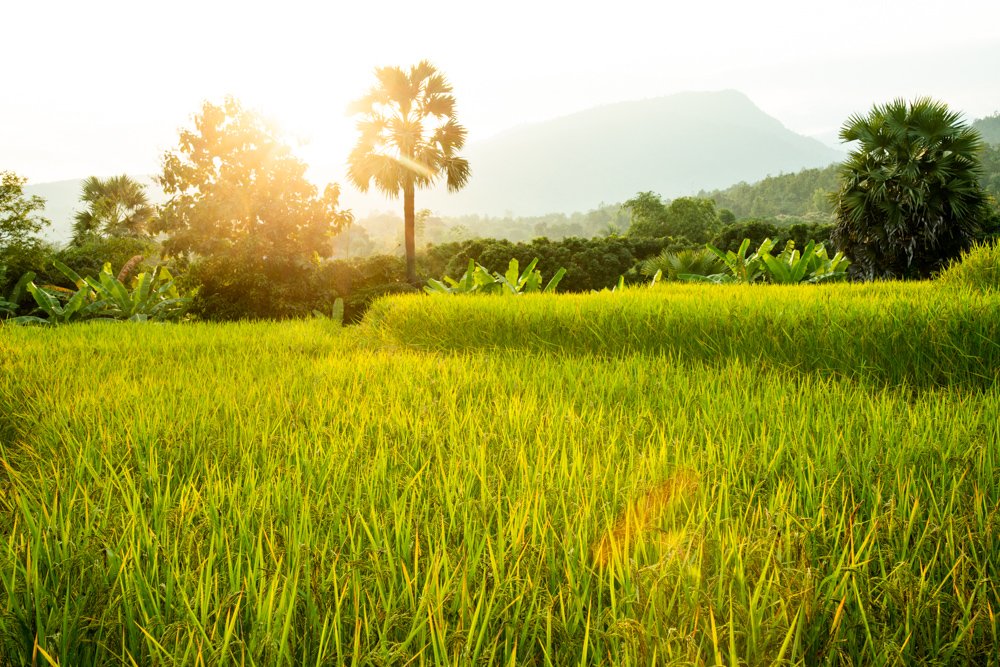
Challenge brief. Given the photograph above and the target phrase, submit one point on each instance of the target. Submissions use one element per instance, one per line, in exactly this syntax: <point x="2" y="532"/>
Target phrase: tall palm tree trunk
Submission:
<point x="409" y="225"/>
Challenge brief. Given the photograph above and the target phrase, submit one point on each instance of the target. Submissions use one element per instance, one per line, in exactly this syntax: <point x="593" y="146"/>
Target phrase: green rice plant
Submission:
<point x="316" y="497"/>
<point x="892" y="333"/>
<point x="477" y="279"/>
<point x="978" y="268"/>
<point x="700" y="262"/>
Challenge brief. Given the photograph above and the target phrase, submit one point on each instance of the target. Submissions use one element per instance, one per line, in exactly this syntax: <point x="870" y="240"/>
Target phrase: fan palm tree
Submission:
<point x="909" y="197"/>
<point x="408" y="139"/>
<point x="115" y="206"/>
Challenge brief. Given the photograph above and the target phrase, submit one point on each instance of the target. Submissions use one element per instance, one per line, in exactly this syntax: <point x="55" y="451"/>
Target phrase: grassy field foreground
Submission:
<point x="299" y="494"/>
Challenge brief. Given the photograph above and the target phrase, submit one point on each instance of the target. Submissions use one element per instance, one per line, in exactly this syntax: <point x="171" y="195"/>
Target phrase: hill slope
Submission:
<point x="673" y="145"/>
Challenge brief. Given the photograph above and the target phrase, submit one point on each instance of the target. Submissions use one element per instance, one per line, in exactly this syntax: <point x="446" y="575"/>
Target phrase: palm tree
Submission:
<point x="115" y="206"/>
<point x="409" y="139"/>
<point x="909" y="197"/>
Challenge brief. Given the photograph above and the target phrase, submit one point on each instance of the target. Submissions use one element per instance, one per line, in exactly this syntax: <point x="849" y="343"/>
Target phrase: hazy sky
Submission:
<point x="101" y="87"/>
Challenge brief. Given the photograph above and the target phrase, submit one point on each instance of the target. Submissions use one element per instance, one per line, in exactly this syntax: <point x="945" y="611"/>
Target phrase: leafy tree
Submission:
<point x="242" y="209"/>
<point x="234" y="182"/>
<point x="21" y="249"/>
<point x="115" y="206"/>
<point x="731" y="236"/>
<point x="647" y="213"/>
<point x="693" y="218"/>
<point x="409" y="138"/>
<point x="910" y="198"/>
<point x="19" y="219"/>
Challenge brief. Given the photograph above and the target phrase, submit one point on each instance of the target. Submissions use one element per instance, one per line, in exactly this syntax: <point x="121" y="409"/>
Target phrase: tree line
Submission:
<point x="250" y="236"/>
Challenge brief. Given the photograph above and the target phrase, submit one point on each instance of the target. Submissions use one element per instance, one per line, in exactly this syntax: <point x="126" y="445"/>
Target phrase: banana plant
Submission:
<point x="153" y="296"/>
<point x="742" y="268"/>
<point x="336" y="312"/>
<point x="528" y="281"/>
<point x="477" y="279"/>
<point x="812" y="265"/>
<point x="8" y="305"/>
<point x="829" y="269"/>
<point x="79" y="306"/>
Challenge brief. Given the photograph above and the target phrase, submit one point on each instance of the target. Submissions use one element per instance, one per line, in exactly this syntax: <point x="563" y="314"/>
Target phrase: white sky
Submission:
<point x="101" y="87"/>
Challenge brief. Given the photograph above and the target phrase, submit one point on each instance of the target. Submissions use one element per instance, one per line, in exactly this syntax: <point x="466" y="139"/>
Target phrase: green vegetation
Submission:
<point x="409" y="139"/>
<point x="116" y="206"/>
<point x="701" y="262"/>
<point x="677" y="474"/>
<point x="978" y="268"/>
<point x="989" y="128"/>
<point x="478" y="280"/>
<point x="804" y="194"/>
<point x="910" y="198"/>
<point x="687" y="474"/>
<point x="591" y="264"/>
<point x="242" y="212"/>
<point x="150" y="296"/>
<point x="897" y="333"/>
<point x="788" y="267"/>
<point x="689" y="218"/>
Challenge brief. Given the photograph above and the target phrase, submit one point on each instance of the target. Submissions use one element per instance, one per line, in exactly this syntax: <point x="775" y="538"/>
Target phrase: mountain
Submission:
<point x="674" y="145"/>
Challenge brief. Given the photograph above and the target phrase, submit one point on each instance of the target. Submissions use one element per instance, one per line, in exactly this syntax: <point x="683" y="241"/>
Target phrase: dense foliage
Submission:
<point x="241" y="208"/>
<point x="591" y="264"/>
<point x="910" y="198"/>
<point x="989" y="128"/>
<point x="477" y="279"/>
<point x="691" y="218"/>
<point x="115" y="206"/>
<point x="731" y="236"/>
<point x="802" y="194"/>
<point x="20" y="222"/>
<point x="147" y="296"/>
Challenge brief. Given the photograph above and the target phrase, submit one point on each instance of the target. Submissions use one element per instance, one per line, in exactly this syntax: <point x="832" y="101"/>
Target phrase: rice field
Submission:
<point x="545" y="481"/>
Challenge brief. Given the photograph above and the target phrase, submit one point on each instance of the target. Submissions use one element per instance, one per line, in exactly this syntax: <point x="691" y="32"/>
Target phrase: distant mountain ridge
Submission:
<point x="674" y="145"/>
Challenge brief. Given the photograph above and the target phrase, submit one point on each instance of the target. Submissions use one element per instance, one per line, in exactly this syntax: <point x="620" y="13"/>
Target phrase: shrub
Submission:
<point x="701" y="262"/>
<point x="148" y="296"/>
<point x="591" y="264"/>
<point x="88" y="258"/>
<point x="478" y="280"/>
<point x="257" y="288"/>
